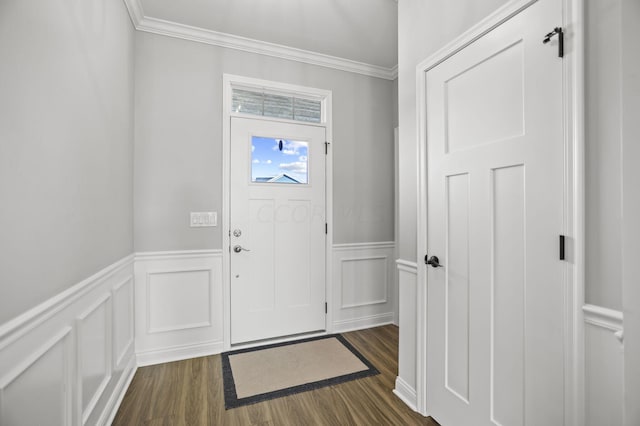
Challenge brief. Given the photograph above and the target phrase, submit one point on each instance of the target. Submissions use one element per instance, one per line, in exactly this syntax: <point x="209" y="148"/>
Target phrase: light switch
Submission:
<point x="203" y="219"/>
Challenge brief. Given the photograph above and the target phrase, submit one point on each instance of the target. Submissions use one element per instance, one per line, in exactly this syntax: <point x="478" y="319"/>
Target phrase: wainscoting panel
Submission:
<point x="57" y="360"/>
<point x="604" y="366"/>
<point x="179" y="305"/>
<point x="122" y="295"/>
<point x="94" y="354"/>
<point x="406" y="381"/>
<point x="363" y="285"/>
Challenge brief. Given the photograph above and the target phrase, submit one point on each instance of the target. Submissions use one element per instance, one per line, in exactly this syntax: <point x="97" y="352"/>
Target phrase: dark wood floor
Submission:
<point x="190" y="393"/>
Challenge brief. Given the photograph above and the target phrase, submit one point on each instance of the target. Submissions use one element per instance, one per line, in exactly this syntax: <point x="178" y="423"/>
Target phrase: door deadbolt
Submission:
<point x="237" y="232"/>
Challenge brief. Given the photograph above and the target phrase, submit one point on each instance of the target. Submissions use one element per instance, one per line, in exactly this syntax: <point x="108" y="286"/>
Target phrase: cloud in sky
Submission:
<point x="295" y="167"/>
<point x="256" y="161"/>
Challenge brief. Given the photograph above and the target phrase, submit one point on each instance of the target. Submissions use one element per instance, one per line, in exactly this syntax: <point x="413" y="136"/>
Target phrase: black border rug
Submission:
<point x="231" y="399"/>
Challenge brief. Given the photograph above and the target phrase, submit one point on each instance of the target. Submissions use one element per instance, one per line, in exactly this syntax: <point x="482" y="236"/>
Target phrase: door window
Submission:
<point x="280" y="161"/>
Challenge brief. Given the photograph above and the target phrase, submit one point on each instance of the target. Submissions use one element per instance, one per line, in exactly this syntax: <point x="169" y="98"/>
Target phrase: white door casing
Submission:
<point x="277" y="285"/>
<point x="495" y="192"/>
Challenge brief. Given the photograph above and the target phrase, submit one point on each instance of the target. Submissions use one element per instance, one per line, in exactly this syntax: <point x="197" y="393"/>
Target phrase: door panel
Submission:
<point x="495" y="209"/>
<point x="507" y="295"/>
<point x="278" y="222"/>
<point x="457" y="286"/>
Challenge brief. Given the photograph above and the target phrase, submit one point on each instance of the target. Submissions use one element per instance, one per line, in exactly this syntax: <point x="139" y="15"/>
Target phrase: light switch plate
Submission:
<point x="203" y="219"/>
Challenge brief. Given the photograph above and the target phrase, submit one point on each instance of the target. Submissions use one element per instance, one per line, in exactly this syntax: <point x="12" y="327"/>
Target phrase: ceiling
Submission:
<point x="359" y="30"/>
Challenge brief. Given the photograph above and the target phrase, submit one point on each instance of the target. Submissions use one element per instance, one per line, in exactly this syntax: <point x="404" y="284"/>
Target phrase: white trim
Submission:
<point x="178" y="353"/>
<point x="574" y="81"/>
<point x="113" y="404"/>
<point x="407" y="266"/>
<point x="362" y="323"/>
<point x="406" y="393"/>
<point x="136" y="13"/>
<point x="599" y="316"/>
<point x="574" y="196"/>
<point x="176" y="254"/>
<point x="244" y="44"/>
<point x="22" y="324"/>
<point x="358" y="246"/>
<point x="326" y="96"/>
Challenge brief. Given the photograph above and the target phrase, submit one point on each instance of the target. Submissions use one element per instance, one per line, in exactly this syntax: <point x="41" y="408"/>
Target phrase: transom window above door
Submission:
<point x="281" y="161"/>
<point x="276" y="105"/>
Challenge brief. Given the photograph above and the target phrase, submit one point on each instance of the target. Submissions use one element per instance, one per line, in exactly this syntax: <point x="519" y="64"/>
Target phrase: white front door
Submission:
<point x="495" y="158"/>
<point x="277" y="227"/>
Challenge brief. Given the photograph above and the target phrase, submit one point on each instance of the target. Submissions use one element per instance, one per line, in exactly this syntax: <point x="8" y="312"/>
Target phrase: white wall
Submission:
<point x="603" y="143"/>
<point x="424" y="27"/>
<point x="612" y="370"/>
<point x="178" y="164"/>
<point x="631" y="207"/>
<point x="66" y="126"/>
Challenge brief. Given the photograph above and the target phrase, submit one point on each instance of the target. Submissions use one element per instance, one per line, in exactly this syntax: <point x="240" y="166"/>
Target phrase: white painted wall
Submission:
<point x="66" y="156"/>
<point x="613" y="206"/>
<point x="603" y="153"/>
<point x="178" y="150"/>
<point x="631" y="207"/>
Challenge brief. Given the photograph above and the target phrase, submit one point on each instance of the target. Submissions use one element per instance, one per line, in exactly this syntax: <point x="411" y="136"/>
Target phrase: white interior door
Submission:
<point x="277" y="228"/>
<point x="495" y="212"/>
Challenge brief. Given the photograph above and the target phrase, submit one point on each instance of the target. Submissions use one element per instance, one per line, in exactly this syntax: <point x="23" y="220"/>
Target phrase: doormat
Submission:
<point x="258" y="374"/>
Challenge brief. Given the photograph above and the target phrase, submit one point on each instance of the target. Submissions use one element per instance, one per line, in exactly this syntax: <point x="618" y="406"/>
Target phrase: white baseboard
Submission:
<point x="178" y="353"/>
<point x="361" y="323"/>
<point x="113" y="404"/>
<point x="406" y="393"/>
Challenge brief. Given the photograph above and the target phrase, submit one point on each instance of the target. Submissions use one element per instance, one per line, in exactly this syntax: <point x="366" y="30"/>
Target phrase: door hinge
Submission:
<point x="326" y="309"/>
<point x="561" y="241"/>
<point x="326" y="148"/>
<point x="326" y="228"/>
<point x="556" y="31"/>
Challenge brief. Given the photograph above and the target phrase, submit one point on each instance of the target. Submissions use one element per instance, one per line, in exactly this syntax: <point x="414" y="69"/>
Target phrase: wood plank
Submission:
<point x="190" y="392"/>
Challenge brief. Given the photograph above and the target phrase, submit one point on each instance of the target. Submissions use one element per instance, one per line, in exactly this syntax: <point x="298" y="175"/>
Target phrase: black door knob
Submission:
<point x="433" y="261"/>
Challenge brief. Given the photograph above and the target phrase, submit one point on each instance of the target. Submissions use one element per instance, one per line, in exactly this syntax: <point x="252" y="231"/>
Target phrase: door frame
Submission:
<point x="229" y="82"/>
<point x="574" y="184"/>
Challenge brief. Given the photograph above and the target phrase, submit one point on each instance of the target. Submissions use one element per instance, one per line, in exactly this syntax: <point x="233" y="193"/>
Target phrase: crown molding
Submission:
<point x="230" y="41"/>
<point x="136" y="13"/>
